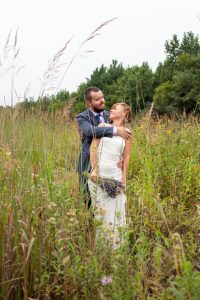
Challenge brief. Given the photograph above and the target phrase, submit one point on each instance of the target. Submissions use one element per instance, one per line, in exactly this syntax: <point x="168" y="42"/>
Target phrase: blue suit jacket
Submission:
<point x="89" y="129"/>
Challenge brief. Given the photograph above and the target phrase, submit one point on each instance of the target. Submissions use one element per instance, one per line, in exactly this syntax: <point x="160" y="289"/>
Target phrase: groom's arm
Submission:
<point x="87" y="129"/>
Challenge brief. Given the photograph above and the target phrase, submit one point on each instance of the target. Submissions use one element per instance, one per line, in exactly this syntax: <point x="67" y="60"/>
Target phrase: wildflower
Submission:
<point x="52" y="220"/>
<point x="102" y="211"/>
<point x="106" y="280"/>
<point x="34" y="175"/>
<point x="74" y="221"/>
<point x="105" y="228"/>
<point x="71" y="212"/>
<point x="139" y="128"/>
<point x="184" y="141"/>
<point x="66" y="260"/>
<point x="169" y="131"/>
<point x="111" y="235"/>
<point x="52" y="205"/>
<point x="197" y="168"/>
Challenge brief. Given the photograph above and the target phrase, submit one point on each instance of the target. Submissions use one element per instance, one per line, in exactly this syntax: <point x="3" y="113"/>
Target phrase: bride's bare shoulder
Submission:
<point x="128" y="130"/>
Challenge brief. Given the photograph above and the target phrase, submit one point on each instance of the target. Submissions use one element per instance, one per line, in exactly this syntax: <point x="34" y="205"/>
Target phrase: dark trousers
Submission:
<point x="84" y="190"/>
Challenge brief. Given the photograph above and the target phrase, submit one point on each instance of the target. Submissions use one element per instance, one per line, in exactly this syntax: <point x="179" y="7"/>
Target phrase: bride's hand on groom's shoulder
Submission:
<point x="120" y="163"/>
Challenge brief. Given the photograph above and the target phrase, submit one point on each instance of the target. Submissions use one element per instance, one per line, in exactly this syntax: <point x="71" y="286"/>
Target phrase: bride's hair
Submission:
<point x="127" y="111"/>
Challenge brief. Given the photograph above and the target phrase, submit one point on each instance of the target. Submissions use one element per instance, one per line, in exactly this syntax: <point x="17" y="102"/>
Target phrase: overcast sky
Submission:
<point x="44" y="26"/>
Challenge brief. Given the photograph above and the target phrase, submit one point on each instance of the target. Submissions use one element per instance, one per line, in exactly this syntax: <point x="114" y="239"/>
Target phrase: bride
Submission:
<point x="107" y="181"/>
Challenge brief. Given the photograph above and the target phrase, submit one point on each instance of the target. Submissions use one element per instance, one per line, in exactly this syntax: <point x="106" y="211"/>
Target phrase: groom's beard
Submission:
<point x="96" y="110"/>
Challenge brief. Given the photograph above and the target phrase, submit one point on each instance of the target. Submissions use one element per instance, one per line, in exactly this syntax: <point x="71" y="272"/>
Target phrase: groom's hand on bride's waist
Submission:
<point x="124" y="132"/>
<point x="120" y="163"/>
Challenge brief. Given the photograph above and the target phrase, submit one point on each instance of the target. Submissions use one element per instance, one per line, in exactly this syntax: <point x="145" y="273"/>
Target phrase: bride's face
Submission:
<point x="117" y="112"/>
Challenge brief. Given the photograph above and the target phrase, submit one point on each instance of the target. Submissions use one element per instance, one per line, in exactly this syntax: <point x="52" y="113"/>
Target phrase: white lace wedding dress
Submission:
<point x="110" y="210"/>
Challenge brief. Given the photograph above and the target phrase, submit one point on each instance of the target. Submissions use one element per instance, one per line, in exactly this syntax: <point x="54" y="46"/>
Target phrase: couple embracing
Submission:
<point x="105" y="152"/>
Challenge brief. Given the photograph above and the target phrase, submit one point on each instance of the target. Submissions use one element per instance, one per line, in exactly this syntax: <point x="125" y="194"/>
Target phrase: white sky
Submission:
<point x="137" y="35"/>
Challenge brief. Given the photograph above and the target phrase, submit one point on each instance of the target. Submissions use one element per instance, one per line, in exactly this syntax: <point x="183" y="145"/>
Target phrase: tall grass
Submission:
<point x="47" y="248"/>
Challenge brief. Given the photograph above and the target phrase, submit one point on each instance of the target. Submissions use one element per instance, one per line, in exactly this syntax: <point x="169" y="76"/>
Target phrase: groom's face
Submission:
<point x="97" y="102"/>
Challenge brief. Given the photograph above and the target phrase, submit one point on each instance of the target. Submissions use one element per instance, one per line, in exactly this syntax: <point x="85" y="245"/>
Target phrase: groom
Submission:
<point x="88" y="122"/>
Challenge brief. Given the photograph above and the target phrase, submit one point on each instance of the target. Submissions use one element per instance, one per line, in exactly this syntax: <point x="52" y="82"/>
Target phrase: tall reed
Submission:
<point x="47" y="248"/>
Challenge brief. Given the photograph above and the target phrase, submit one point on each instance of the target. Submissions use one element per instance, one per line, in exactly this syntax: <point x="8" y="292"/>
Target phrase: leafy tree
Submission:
<point x="135" y="87"/>
<point x="98" y="78"/>
<point x="164" y="72"/>
<point x="162" y="98"/>
<point x="178" y="78"/>
<point x="174" y="85"/>
<point x="103" y="78"/>
<point x="190" y="44"/>
<point x="182" y="93"/>
<point x="172" y="47"/>
<point x="62" y="96"/>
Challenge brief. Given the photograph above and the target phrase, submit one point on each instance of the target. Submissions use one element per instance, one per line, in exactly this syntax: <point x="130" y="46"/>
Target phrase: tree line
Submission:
<point x="174" y="86"/>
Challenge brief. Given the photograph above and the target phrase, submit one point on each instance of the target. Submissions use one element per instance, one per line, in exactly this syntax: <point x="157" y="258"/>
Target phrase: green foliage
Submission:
<point x="186" y="286"/>
<point x="135" y="87"/>
<point x="172" y="47"/>
<point x="164" y="72"/>
<point x="105" y="79"/>
<point x="47" y="103"/>
<point x="179" y="95"/>
<point x="178" y="77"/>
<point x="189" y="45"/>
<point x="174" y="86"/>
<point x="47" y="237"/>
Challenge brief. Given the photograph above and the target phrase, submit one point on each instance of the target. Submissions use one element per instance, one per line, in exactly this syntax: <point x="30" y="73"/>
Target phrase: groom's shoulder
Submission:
<point x="106" y="113"/>
<point x="83" y="113"/>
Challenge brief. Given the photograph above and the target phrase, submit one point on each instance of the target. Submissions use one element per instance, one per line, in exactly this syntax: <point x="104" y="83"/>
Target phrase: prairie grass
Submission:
<point x="47" y="248"/>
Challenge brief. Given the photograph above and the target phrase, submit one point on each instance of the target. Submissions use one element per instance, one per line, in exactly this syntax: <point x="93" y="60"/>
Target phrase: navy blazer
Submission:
<point x="88" y="127"/>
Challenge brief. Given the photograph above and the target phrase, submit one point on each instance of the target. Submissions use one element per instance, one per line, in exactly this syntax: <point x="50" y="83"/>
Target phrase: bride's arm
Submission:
<point x="126" y="157"/>
<point x="93" y="159"/>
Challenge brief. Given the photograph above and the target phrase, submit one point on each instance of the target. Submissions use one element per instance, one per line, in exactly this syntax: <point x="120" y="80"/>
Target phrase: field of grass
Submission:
<point x="47" y="248"/>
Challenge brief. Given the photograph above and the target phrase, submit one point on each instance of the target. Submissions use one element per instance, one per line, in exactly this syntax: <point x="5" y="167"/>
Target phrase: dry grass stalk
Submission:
<point x="54" y="66"/>
<point x="8" y="62"/>
<point x="92" y="35"/>
<point x="149" y="118"/>
<point x="178" y="252"/>
<point x="66" y="113"/>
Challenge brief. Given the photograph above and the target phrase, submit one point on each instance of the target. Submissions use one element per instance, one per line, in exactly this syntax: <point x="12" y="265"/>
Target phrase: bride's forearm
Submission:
<point x="126" y="157"/>
<point x="124" y="171"/>
<point x="93" y="157"/>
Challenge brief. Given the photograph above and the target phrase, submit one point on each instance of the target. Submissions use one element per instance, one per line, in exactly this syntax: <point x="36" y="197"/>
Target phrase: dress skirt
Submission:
<point x="111" y="212"/>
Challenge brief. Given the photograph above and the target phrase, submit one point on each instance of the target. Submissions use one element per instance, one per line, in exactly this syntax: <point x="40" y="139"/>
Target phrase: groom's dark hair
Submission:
<point x="87" y="92"/>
